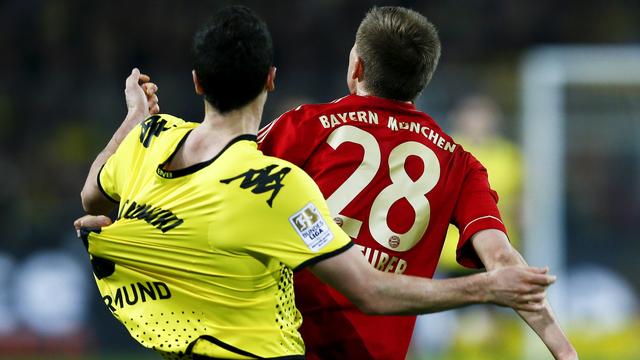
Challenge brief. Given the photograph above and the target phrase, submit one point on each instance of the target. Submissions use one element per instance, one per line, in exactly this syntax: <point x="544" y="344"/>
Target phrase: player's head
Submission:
<point x="395" y="53"/>
<point x="233" y="57"/>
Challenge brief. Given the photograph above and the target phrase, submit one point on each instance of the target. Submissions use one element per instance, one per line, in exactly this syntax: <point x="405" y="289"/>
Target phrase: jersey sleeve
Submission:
<point x="121" y="166"/>
<point x="118" y="168"/>
<point x="475" y="210"/>
<point x="300" y="229"/>
<point x="284" y="138"/>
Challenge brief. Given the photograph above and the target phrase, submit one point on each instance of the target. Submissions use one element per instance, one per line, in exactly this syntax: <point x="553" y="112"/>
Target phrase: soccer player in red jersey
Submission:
<point x="393" y="181"/>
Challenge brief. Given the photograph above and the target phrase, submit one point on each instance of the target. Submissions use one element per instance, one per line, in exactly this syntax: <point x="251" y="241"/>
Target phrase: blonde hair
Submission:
<point x="400" y="49"/>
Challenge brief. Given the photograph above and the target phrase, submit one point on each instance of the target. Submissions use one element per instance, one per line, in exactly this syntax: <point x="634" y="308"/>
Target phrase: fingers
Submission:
<point x="536" y="276"/>
<point x="144" y="78"/>
<point x="137" y="78"/>
<point x="535" y="297"/>
<point x="536" y="282"/>
<point x="154" y="109"/>
<point x="149" y="88"/>
<point x="531" y="307"/>
<point x="154" y="106"/>
<point x="533" y="289"/>
<point x="133" y="78"/>
<point x="523" y="288"/>
<point x="140" y="94"/>
<point x="92" y="221"/>
<point x="538" y="270"/>
<point x="541" y="279"/>
<point x="533" y="300"/>
<point x="530" y="302"/>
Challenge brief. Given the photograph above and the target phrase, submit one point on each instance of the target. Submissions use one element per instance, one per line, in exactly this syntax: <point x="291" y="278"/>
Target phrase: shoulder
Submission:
<point x="163" y="122"/>
<point x="314" y="111"/>
<point x="471" y="167"/>
<point x="309" y="110"/>
<point x="281" y="166"/>
<point x="159" y="126"/>
<point x="301" y="117"/>
<point x="264" y="171"/>
<point x="295" y="180"/>
<point x="276" y="185"/>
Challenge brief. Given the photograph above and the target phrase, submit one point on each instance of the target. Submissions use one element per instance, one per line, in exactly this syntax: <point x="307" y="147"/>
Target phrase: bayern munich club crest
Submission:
<point x="394" y="241"/>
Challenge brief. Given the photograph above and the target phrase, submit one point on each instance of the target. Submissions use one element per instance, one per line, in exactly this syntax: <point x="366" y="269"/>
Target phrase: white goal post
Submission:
<point x="546" y="73"/>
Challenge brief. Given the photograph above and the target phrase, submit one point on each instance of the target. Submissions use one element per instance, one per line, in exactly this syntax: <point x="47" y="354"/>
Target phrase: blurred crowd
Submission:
<point x="63" y="64"/>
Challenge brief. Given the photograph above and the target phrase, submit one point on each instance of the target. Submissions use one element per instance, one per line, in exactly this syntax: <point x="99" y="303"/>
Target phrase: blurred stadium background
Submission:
<point x="547" y="93"/>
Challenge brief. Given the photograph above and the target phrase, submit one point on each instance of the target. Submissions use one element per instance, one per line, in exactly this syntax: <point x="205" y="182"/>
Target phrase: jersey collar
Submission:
<point x="172" y="174"/>
<point x="384" y="101"/>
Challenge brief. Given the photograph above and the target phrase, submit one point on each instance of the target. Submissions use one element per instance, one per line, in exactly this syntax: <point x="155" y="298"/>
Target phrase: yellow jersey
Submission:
<point x="200" y="260"/>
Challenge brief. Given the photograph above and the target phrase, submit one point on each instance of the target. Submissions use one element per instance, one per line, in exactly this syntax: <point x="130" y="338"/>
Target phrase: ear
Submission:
<point x="358" y="69"/>
<point x="270" y="85"/>
<point x="196" y="83"/>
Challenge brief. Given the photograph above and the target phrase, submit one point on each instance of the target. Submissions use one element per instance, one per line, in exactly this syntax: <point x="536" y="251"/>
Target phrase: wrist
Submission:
<point x="482" y="289"/>
<point x="138" y="114"/>
<point x="133" y="118"/>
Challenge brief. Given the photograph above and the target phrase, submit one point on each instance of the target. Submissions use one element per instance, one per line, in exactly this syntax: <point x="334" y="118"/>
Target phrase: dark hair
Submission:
<point x="400" y="50"/>
<point x="232" y="56"/>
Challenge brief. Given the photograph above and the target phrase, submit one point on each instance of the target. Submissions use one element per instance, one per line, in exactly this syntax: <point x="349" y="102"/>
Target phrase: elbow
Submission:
<point x="506" y="256"/>
<point x="495" y="250"/>
<point x="370" y="299"/>
<point x="369" y="306"/>
<point x="84" y="200"/>
<point x="91" y="205"/>
<point x="86" y="203"/>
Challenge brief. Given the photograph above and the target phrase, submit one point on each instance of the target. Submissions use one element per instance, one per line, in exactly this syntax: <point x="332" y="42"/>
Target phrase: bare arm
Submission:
<point x="377" y="292"/>
<point x="142" y="101"/>
<point x="496" y="252"/>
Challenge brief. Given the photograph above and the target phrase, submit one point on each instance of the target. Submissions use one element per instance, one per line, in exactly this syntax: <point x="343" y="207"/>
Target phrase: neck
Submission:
<point x="245" y="120"/>
<point x="216" y="131"/>
<point x="362" y="91"/>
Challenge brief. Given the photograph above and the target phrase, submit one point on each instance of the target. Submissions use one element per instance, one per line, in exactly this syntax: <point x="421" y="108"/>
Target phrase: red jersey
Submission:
<point x="393" y="181"/>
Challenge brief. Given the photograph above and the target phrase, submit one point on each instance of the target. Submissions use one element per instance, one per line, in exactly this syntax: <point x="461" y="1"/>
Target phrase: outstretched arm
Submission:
<point x="142" y="101"/>
<point x="377" y="292"/>
<point x="495" y="251"/>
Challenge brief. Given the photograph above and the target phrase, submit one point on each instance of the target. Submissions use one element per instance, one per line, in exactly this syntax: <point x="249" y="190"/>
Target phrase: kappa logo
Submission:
<point x="153" y="126"/>
<point x="311" y="227"/>
<point x="262" y="181"/>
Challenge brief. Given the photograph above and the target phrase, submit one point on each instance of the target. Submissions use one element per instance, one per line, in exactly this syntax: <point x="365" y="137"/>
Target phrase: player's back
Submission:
<point x="200" y="259"/>
<point x="393" y="181"/>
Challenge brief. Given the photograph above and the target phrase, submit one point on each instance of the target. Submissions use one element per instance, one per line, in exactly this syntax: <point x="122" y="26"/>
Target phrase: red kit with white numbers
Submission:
<point x="393" y="181"/>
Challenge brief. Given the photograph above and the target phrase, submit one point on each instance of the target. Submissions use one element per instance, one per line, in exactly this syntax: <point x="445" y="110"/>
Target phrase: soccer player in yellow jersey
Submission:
<point x="199" y="263"/>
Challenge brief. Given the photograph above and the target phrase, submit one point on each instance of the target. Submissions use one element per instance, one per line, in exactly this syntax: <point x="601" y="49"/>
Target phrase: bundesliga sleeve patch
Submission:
<point x="311" y="227"/>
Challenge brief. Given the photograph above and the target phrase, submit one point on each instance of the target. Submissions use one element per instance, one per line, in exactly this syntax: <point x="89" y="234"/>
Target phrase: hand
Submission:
<point x="91" y="221"/>
<point x="519" y="287"/>
<point x="140" y="94"/>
